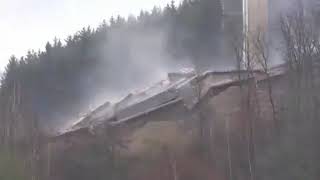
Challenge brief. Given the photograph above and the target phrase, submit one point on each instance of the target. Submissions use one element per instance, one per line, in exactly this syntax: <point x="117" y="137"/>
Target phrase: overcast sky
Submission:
<point x="29" y="24"/>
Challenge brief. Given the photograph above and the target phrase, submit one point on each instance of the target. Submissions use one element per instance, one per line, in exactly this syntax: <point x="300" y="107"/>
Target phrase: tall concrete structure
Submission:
<point x="255" y="15"/>
<point x="243" y="17"/>
<point x="246" y="15"/>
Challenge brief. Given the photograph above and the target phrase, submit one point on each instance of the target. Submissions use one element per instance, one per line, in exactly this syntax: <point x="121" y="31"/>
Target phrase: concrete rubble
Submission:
<point x="188" y="87"/>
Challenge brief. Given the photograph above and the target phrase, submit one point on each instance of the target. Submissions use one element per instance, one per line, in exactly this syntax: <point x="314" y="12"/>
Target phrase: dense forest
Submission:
<point x="100" y="64"/>
<point x="264" y="127"/>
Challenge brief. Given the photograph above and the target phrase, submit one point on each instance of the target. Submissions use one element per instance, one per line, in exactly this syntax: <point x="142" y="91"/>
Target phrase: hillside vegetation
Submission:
<point x="259" y="129"/>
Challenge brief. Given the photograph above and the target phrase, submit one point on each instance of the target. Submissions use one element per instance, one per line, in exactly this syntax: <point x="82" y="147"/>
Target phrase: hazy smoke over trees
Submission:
<point x="262" y="125"/>
<point x="102" y="64"/>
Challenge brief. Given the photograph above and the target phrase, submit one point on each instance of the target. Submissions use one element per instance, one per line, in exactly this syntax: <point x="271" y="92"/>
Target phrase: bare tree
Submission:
<point x="205" y="121"/>
<point x="302" y="54"/>
<point x="245" y="61"/>
<point x="228" y="139"/>
<point x="238" y="48"/>
<point x="171" y="158"/>
<point x="262" y="50"/>
<point x="302" y="50"/>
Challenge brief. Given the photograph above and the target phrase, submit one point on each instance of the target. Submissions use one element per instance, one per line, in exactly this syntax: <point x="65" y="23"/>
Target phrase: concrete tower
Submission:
<point x="256" y="15"/>
<point x="252" y="15"/>
<point x="243" y="17"/>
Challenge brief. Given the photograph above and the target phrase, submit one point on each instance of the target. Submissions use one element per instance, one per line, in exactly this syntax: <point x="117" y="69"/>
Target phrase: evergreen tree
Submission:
<point x="57" y="79"/>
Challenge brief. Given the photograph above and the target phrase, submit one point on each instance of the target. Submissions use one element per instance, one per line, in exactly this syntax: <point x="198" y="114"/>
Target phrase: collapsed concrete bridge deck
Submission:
<point x="179" y="95"/>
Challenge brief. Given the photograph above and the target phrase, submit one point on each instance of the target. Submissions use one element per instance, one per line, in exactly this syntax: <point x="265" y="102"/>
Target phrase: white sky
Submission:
<point x="29" y="24"/>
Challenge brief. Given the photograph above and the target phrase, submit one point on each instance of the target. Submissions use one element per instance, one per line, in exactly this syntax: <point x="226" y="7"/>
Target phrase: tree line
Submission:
<point x="277" y="143"/>
<point x="54" y="82"/>
<point x="44" y="88"/>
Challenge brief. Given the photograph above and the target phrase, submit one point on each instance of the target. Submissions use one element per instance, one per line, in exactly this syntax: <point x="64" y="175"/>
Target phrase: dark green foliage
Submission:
<point x="59" y="80"/>
<point x="89" y="162"/>
<point x="46" y="88"/>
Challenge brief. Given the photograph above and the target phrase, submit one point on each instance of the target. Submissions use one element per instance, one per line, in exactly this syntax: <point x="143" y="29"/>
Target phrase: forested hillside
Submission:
<point x="245" y="124"/>
<point x="98" y="64"/>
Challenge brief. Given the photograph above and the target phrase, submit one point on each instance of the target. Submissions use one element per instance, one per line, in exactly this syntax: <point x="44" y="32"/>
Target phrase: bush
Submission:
<point x="11" y="168"/>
